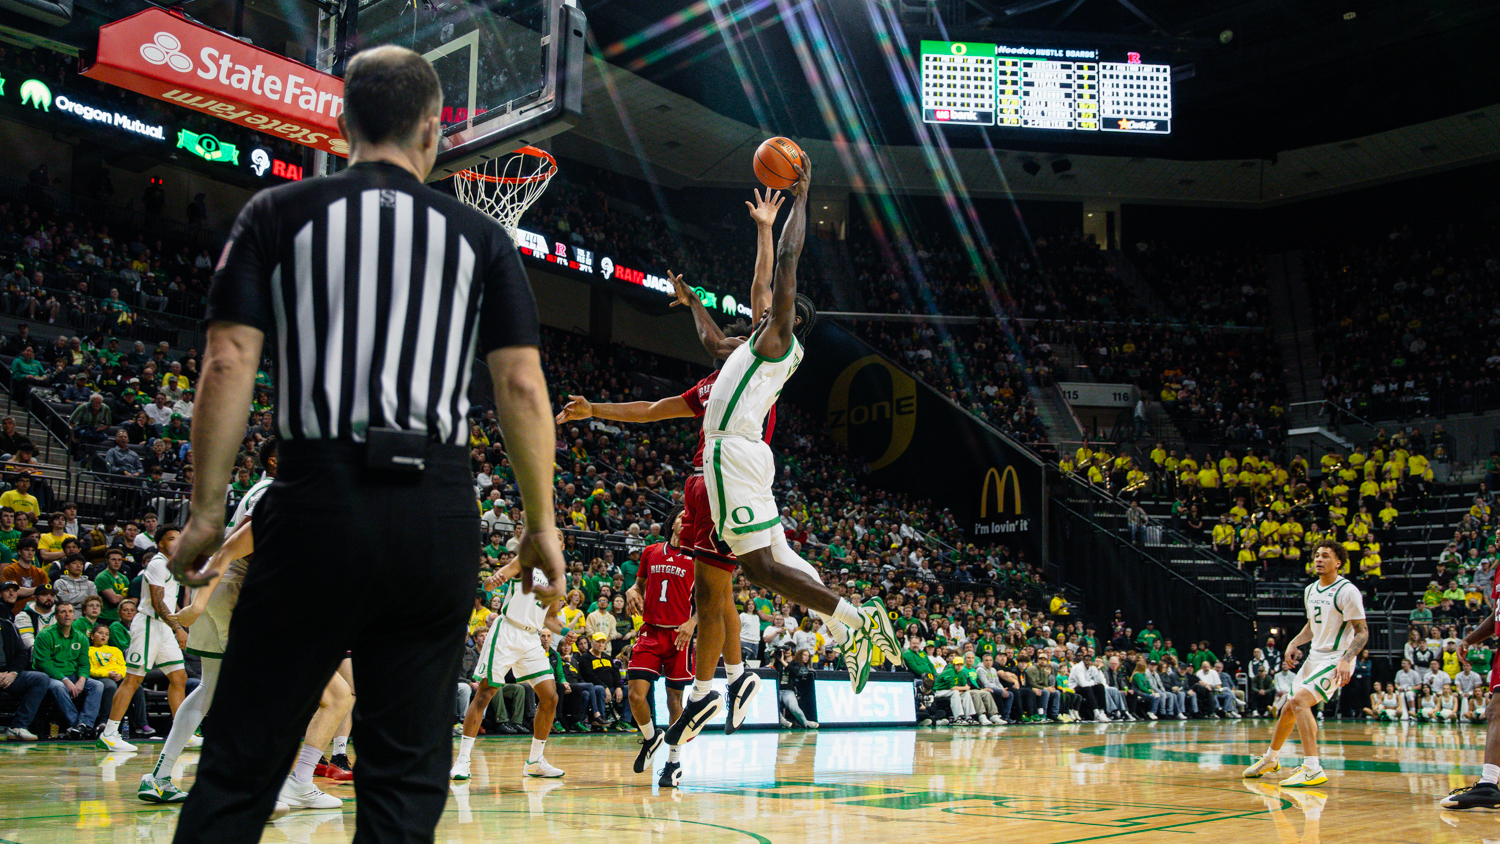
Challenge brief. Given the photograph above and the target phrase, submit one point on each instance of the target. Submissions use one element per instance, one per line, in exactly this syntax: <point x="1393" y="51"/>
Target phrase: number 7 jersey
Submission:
<point x="666" y="583"/>
<point x="1330" y="609"/>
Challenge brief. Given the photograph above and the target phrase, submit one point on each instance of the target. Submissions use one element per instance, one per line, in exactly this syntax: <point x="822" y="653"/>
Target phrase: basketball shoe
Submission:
<point x="649" y="746"/>
<point x="740" y="693"/>
<point x="1302" y="778"/>
<point x="1261" y="766"/>
<point x="1480" y="795"/>
<point x="695" y="716"/>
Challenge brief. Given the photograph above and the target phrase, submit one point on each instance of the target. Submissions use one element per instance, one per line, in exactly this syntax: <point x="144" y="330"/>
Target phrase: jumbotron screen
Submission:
<point x="1010" y="86"/>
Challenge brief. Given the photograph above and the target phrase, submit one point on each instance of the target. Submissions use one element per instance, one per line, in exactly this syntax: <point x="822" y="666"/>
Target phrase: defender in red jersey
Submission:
<point x="663" y="596"/>
<point x="1484" y="794"/>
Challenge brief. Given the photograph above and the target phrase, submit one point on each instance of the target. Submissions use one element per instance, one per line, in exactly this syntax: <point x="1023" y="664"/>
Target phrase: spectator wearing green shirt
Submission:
<point x="983" y="703"/>
<point x="119" y="631"/>
<point x="62" y="653"/>
<point x="1422" y="614"/>
<point x="916" y="660"/>
<point x="26" y="372"/>
<point x="1480" y="656"/>
<point x="951" y="685"/>
<point x="1148" y="637"/>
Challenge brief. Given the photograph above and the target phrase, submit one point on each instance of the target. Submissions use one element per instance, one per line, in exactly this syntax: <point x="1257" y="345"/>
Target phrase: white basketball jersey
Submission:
<point x="1329" y="610"/>
<point x="159" y="573"/>
<point x="237" y="568"/>
<point x="522" y="608"/>
<point x="747" y="389"/>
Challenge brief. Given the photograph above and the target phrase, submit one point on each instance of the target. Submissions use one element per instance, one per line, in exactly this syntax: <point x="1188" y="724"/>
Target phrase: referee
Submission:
<point x="375" y="292"/>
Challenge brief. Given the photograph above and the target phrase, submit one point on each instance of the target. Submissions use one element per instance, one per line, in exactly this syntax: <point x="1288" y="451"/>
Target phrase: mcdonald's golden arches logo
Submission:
<point x="901" y="409"/>
<point x="1001" y="479"/>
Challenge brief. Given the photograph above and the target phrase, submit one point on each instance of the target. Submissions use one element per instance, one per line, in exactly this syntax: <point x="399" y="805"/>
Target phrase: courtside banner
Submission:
<point x="914" y="440"/>
<point x="168" y="57"/>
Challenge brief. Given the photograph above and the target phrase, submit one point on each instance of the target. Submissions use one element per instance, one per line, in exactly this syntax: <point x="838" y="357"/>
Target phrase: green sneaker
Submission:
<point x="883" y="633"/>
<point x="154" y="790"/>
<point x="857" y="656"/>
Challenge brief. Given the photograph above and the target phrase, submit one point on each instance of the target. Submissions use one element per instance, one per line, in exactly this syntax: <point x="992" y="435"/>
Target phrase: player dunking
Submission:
<point x="713" y="565"/>
<point x="515" y="644"/>
<point x="1337" y="630"/>
<point x="740" y="470"/>
<point x="1484" y="794"/>
<point x="662" y="595"/>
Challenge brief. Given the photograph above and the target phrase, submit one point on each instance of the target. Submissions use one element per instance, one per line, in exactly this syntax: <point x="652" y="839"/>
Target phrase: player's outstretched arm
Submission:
<point x="1482" y="633"/>
<point x="523" y="409"/>
<point x="709" y="333"/>
<point x="241" y="542"/>
<point x="774" y="341"/>
<point x="763" y="212"/>
<point x="579" y="407"/>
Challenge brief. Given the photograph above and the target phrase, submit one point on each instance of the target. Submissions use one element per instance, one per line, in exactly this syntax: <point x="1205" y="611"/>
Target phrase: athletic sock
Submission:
<point x="111" y="729"/>
<point x="674" y="753"/>
<point x="1273" y="754"/>
<point x="733" y="672"/>
<point x="847" y="613"/>
<point x="536" y="750"/>
<point x="701" y="688"/>
<point x="647" y="731"/>
<point x="1310" y="763"/>
<point x="465" y="747"/>
<point x="338" y="745"/>
<point x="307" y="760"/>
<point x="837" y="629"/>
<point x="1491" y="774"/>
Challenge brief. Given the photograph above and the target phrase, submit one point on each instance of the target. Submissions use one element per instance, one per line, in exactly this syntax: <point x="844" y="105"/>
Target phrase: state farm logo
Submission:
<point x="166" y="49"/>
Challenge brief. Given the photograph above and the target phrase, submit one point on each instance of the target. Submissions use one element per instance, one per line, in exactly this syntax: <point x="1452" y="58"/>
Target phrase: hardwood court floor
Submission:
<point x="1166" y="781"/>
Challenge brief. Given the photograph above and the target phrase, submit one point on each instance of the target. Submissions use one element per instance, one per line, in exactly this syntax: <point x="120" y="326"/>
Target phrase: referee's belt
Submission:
<point x="528" y="628"/>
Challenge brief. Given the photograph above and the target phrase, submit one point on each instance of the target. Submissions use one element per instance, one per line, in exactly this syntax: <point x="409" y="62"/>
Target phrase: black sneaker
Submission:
<point x="341" y="760"/>
<point x="695" y="716"/>
<point x="649" y="746"/>
<point x="1480" y="795"/>
<point x="671" y="775"/>
<point x="740" y="693"/>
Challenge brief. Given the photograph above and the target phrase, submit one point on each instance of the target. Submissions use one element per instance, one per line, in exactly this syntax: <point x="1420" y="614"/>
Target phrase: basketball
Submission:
<point x="776" y="163"/>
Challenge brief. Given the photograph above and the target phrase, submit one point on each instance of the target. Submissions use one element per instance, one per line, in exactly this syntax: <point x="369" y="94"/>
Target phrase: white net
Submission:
<point x="505" y="187"/>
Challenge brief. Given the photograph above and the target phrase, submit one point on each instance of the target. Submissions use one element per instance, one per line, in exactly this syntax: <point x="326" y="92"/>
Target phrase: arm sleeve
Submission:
<point x="241" y="289"/>
<point x="508" y="315"/>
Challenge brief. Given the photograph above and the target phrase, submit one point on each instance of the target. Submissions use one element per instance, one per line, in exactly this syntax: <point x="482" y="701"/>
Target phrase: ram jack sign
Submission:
<point x="165" y="56"/>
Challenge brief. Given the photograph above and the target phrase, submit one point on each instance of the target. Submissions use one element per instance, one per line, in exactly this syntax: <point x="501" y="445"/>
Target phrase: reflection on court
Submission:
<point x="1044" y="785"/>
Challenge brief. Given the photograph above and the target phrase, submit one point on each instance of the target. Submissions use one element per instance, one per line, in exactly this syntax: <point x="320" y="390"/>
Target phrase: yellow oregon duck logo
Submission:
<point x="1009" y="476"/>
<point x="900" y="410"/>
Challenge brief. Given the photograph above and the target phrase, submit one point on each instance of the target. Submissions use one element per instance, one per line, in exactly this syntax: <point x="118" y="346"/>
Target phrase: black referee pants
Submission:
<point x="337" y="546"/>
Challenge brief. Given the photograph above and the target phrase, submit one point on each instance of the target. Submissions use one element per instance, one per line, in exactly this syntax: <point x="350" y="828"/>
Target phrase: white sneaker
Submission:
<point x="194" y="741"/>
<point x="19" y="734"/>
<point x="115" y="744"/>
<point x="542" y="768"/>
<point x="1181" y="717"/>
<point x="943" y="722"/>
<point x="1151" y="715"/>
<point x="460" y="769"/>
<point x="985" y="720"/>
<point x="812" y="725"/>
<point x="785" y="724"/>
<point x="1102" y="717"/>
<point x="300" y="795"/>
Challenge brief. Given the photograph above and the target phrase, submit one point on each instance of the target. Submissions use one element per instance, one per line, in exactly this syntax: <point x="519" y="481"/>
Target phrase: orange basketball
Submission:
<point x="776" y="163"/>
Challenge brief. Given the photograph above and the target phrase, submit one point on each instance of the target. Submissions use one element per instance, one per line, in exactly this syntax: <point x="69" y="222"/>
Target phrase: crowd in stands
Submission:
<point x="1207" y="288"/>
<point x="1408" y="321"/>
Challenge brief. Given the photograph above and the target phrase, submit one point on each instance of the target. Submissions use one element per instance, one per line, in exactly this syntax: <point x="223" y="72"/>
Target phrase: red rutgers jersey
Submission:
<point x="666" y="583"/>
<point x="697" y="398"/>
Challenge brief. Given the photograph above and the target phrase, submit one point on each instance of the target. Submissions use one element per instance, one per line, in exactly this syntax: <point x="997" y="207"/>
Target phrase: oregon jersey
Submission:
<point x="237" y="568"/>
<point x="1330" y="609"/>
<point x="747" y="389"/>
<point x="522" y="608"/>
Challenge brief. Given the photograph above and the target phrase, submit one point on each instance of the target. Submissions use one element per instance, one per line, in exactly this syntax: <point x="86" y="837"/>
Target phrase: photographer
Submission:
<point x="795" y="675"/>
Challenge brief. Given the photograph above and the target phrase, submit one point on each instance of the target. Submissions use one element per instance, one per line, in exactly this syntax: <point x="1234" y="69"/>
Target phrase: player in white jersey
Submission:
<point x="739" y="470"/>
<point x="156" y="641"/>
<point x="1337" y="631"/>
<point x="515" y="645"/>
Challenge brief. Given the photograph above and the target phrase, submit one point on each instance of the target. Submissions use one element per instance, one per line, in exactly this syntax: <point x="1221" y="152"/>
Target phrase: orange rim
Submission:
<point x="475" y="176"/>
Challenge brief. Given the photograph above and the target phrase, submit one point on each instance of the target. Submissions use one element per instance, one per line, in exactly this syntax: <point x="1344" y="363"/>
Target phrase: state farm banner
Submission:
<point x="915" y="441"/>
<point x="165" y="56"/>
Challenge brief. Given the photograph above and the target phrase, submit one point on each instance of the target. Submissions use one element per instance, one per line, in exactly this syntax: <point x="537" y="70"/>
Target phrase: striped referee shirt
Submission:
<point x="375" y="293"/>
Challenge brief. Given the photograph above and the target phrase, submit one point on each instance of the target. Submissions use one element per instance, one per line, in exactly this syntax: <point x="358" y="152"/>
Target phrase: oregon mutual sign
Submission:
<point x="915" y="442"/>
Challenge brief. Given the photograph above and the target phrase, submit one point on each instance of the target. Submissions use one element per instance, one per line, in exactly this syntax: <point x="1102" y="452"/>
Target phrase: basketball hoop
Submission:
<point x="505" y="187"/>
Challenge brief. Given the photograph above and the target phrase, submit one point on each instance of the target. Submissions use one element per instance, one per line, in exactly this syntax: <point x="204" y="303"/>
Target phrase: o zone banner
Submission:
<point x="917" y="442"/>
<point x="165" y="56"/>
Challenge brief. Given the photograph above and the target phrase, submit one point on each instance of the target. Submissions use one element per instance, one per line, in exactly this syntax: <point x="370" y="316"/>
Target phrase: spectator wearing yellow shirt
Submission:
<point x="1096" y="475"/>
<point x="106" y="664"/>
<point x="1338" y="516"/>
<point x="1291" y="531"/>
<point x="572" y="612"/>
<point x="1159" y="455"/>
<point x="1188" y="464"/>
<point x="1251" y="462"/>
<point x="1357" y="457"/>
<point x="1172" y="465"/>
<point x="1270" y="529"/>
<point x="1135" y="479"/>
<point x="1390" y="487"/>
<point x="1348" y="474"/>
<point x="1371" y="471"/>
<point x="1388" y="516"/>
<point x="1249" y="536"/>
<point x="1065" y="465"/>
<point x="1246" y="557"/>
<point x="1339" y="492"/>
<point x="1238" y="511"/>
<point x="20" y="499"/>
<point x="1292" y="554"/>
<point x="1354" y="552"/>
<point x="1418" y="467"/>
<point x="1245" y="479"/>
<point x="1369" y="564"/>
<point x="479" y="615"/>
<point x="1083" y="455"/>
<point x="1208" y="479"/>
<point x="1299" y="466"/>
<point x="1228" y="465"/>
<point x="1279" y="505"/>
<point x="1270" y="553"/>
<point x="1223" y="536"/>
<point x="1330" y="462"/>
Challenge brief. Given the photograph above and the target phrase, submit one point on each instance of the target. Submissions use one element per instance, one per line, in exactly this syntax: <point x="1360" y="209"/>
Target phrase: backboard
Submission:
<point x="512" y="70"/>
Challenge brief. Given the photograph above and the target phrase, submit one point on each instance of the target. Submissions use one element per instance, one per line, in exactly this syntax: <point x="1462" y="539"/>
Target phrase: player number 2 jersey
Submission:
<point x="747" y="389"/>
<point x="666" y="578"/>
<point x="1330" y="609"/>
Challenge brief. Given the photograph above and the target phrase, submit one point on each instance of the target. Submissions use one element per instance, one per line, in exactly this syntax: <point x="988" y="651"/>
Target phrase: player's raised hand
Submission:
<point x="577" y="407"/>
<point x="685" y="295"/>
<point x="763" y="210"/>
<point x="804" y="177"/>
<point x="542" y="549"/>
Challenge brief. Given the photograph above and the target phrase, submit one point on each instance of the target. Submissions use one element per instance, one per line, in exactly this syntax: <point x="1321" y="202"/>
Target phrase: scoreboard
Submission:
<point x="978" y="84"/>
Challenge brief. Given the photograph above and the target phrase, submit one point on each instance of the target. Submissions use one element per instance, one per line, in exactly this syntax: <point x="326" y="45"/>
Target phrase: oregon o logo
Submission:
<point x="960" y="49"/>
<point x="744" y="519"/>
<point x="1000" y="482"/>
<point x="133" y="659"/>
<point x="166" y="49"/>
<point x="900" y="409"/>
